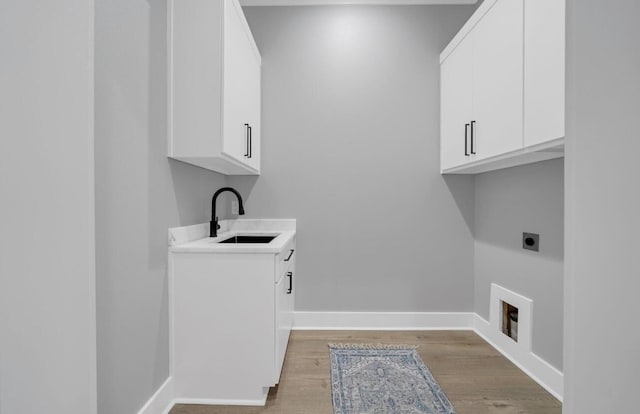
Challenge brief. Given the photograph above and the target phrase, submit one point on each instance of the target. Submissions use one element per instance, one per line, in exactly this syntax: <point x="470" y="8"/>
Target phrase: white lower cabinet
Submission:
<point x="231" y="315"/>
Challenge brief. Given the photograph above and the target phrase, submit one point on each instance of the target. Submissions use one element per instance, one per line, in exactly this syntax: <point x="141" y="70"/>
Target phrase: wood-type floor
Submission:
<point x="476" y="378"/>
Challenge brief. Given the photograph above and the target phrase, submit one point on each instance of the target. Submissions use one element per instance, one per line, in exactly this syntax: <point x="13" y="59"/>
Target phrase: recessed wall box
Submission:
<point x="531" y="241"/>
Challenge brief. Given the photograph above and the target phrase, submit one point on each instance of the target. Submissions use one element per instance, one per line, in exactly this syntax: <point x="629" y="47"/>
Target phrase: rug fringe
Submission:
<point x="372" y="346"/>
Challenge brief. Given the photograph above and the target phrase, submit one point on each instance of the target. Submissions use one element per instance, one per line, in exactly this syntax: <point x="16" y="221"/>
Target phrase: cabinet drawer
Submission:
<point x="284" y="259"/>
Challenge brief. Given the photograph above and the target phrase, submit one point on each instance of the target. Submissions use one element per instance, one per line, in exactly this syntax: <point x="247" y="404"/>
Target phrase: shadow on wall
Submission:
<point x="244" y="184"/>
<point x="194" y="187"/>
<point x="461" y="188"/>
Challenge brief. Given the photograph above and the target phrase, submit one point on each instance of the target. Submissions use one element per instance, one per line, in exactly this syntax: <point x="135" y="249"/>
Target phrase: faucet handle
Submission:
<point x="217" y="225"/>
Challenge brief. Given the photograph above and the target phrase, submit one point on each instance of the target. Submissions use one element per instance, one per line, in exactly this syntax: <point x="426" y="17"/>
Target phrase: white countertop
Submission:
<point x="194" y="239"/>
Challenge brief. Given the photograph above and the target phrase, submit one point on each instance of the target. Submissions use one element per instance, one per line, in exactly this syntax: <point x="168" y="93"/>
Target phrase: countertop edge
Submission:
<point x="209" y="245"/>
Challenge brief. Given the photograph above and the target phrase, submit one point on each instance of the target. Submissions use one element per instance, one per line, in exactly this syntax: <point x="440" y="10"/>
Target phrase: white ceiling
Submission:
<point x="359" y="2"/>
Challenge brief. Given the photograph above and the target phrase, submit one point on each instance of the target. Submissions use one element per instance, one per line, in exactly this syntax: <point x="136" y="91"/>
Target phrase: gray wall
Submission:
<point x="47" y="264"/>
<point x="139" y="194"/>
<point x="508" y="202"/>
<point x="601" y="356"/>
<point x="350" y="115"/>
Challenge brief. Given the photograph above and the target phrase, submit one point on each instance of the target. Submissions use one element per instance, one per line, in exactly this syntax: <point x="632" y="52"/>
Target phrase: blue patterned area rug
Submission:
<point x="383" y="379"/>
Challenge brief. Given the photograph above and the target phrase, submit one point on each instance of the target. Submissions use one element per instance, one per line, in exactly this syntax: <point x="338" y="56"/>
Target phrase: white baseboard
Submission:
<point x="396" y="321"/>
<point x="549" y="377"/>
<point x="207" y="401"/>
<point x="161" y="401"/>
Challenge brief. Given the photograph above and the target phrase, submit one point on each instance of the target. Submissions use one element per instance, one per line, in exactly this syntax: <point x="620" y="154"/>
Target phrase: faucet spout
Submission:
<point x="213" y="224"/>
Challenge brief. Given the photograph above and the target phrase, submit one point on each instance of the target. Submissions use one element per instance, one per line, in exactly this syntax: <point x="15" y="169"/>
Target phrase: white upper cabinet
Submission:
<point x="544" y="71"/>
<point x="214" y="87"/>
<point x="502" y="87"/>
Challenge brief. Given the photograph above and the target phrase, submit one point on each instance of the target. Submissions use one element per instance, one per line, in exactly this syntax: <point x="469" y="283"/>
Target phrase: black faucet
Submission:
<point x="213" y="224"/>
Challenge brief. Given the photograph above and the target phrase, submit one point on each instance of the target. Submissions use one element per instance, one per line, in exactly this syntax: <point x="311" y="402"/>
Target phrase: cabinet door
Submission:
<point x="498" y="79"/>
<point x="455" y="99"/>
<point x="544" y="70"/>
<point x="238" y="84"/>
<point x="254" y="115"/>
<point x="284" y="319"/>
